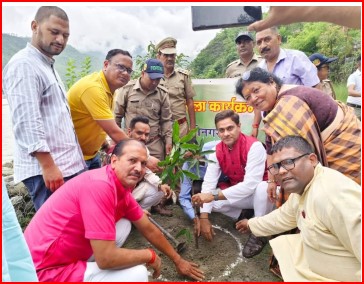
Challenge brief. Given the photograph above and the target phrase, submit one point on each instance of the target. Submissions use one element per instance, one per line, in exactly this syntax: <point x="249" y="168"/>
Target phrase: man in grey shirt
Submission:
<point x="47" y="152"/>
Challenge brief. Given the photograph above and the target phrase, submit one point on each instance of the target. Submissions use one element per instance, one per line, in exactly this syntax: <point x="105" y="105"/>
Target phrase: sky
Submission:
<point x="104" y="26"/>
<point x="101" y="28"/>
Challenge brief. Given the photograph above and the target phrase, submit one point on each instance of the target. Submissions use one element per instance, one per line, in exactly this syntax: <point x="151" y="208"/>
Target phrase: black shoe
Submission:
<point x="254" y="246"/>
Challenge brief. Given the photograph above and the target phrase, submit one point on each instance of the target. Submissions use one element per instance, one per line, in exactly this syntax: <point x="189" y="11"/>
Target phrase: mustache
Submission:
<point x="136" y="174"/>
<point x="265" y="49"/>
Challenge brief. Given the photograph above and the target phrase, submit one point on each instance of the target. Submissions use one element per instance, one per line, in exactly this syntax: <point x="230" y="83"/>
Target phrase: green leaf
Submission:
<point x="164" y="176"/>
<point x="190" y="175"/>
<point x="189" y="136"/>
<point x="185" y="232"/>
<point x="163" y="163"/>
<point x="189" y="146"/>
<point x="207" y="152"/>
<point x="175" y="132"/>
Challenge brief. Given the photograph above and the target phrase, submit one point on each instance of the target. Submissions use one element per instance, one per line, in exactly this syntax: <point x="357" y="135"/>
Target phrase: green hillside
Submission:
<point x="328" y="39"/>
<point x="12" y="44"/>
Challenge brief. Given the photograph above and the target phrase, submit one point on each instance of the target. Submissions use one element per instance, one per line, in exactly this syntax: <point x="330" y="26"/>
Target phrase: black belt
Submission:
<point x="353" y="105"/>
<point x="182" y="120"/>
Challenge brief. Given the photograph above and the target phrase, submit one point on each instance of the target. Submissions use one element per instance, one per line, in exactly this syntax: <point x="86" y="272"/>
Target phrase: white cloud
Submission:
<point x="100" y="28"/>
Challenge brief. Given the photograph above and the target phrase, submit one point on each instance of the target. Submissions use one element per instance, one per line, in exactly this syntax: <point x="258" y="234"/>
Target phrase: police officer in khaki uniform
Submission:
<point x="144" y="96"/>
<point x="323" y="70"/>
<point x="178" y="83"/>
<point x="247" y="58"/>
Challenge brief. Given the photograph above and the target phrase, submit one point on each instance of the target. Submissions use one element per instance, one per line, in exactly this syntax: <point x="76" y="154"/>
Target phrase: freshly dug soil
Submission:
<point x="221" y="259"/>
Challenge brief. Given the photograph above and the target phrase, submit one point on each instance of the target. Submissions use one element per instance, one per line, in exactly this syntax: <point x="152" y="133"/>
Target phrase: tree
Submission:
<point x="71" y="75"/>
<point x="181" y="60"/>
<point x="172" y="172"/>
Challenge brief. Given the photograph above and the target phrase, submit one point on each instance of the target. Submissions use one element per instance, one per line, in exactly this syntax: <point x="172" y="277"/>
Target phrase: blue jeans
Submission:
<point x="186" y="188"/>
<point x="38" y="191"/>
<point x="94" y="163"/>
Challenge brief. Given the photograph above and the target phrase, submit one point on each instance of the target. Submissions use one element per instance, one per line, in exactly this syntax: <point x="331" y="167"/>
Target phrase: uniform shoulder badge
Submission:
<point x="231" y="63"/>
<point x="183" y="71"/>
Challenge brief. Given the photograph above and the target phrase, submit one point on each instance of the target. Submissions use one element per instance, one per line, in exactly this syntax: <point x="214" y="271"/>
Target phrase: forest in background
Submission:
<point x="328" y="39"/>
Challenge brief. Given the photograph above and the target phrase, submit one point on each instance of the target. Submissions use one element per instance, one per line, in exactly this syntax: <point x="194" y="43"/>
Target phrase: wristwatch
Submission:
<point x="215" y="193"/>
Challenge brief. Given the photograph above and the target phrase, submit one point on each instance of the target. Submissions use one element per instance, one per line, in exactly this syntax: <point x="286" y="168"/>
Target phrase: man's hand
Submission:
<point x="189" y="269"/>
<point x="168" y="149"/>
<point x="166" y="189"/>
<point x="152" y="164"/>
<point x="242" y="226"/>
<point x="201" y="198"/>
<point x="206" y="229"/>
<point x="156" y="266"/>
<point x="272" y="192"/>
<point x="53" y="178"/>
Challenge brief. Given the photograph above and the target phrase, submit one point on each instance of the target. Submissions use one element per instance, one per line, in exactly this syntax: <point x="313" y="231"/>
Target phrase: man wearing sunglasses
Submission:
<point x="324" y="204"/>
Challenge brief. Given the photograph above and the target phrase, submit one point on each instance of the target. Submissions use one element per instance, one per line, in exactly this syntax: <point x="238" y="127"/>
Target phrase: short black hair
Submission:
<point x="119" y="148"/>
<point x="114" y="52"/>
<point x="227" y="114"/>
<point x="297" y="142"/>
<point x="256" y="74"/>
<point x="139" y="118"/>
<point x="45" y="12"/>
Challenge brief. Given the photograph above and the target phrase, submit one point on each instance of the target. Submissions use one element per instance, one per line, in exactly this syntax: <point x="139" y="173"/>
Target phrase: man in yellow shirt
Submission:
<point x="325" y="205"/>
<point x="91" y="103"/>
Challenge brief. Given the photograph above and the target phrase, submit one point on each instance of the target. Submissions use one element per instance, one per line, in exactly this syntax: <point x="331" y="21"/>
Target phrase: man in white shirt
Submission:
<point x="354" y="89"/>
<point x="242" y="159"/>
<point x="46" y="152"/>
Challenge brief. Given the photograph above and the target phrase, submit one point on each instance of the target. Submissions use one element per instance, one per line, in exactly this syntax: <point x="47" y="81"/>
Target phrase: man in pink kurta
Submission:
<point x="78" y="233"/>
<point x="84" y="208"/>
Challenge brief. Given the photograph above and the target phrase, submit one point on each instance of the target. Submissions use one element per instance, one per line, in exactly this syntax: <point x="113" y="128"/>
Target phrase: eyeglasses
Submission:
<point x="122" y="68"/>
<point x="287" y="164"/>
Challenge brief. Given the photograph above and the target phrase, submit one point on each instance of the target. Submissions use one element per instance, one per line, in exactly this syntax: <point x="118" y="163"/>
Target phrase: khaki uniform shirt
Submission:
<point x="180" y="89"/>
<point x="237" y="67"/>
<point x="131" y="102"/>
<point x="326" y="87"/>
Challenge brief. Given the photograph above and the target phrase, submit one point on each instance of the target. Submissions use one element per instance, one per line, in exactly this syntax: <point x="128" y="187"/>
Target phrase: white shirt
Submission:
<point x="40" y="115"/>
<point x="254" y="171"/>
<point x="355" y="79"/>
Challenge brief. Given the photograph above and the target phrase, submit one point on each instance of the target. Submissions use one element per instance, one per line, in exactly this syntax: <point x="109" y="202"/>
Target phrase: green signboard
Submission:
<point x="215" y="95"/>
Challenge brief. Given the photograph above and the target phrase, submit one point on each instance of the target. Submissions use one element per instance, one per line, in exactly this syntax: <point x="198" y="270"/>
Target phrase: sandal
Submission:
<point x="254" y="246"/>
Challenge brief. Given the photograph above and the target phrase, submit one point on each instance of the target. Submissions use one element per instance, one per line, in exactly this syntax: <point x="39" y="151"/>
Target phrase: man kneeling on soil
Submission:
<point x="90" y="217"/>
<point x="242" y="159"/>
<point x="325" y="205"/>
<point x="150" y="190"/>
